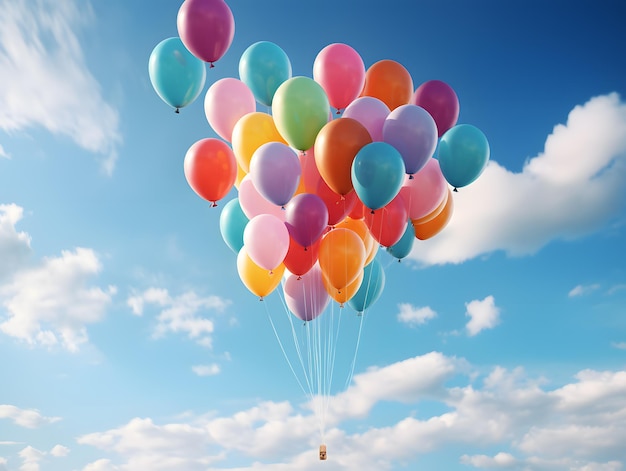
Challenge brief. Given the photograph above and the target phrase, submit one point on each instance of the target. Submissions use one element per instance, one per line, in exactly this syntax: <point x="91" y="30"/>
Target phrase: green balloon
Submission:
<point x="300" y="109"/>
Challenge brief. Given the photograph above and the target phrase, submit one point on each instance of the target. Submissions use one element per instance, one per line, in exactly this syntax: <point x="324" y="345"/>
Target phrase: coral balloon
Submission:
<point x="225" y="103"/>
<point x="305" y="295"/>
<point x="371" y="113"/>
<point x="390" y="82"/>
<point x="339" y="206"/>
<point x="434" y="226"/>
<point x="388" y="223"/>
<point x="206" y="27"/>
<point x="441" y="102"/>
<point x="210" y="169"/>
<point x="251" y="132"/>
<point x="342" y="257"/>
<point x="300" y="259"/>
<point x="310" y="175"/>
<point x="267" y="240"/>
<point x="425" y="191"/>
<point x="259" y="281"/>
<point x="264" y="66"/>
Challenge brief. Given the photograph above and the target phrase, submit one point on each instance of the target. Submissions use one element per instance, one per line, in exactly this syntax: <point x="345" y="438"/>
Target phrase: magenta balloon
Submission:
<point x="253" y="203"/>
<point x="225" y="102"/>
<point x="371" y="113"/>
<point x="306" y="217"/>
<point x="413" y="132"/>
<point x="305" y="295"/>
<point x="424" y="192"/>
<point x="206" y="27"/>
<point x="441" y="101"/>
<point x="275" y="171"/>
<point x="266" y="239"/>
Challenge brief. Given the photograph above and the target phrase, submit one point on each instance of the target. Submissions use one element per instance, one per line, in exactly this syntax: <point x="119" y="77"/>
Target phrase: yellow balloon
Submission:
<point x="346" y="293"/>
<point x="241" y="173"/>
<point x="341" y="256"/>
<point x="259" y="281"/>
<point x="251" y="132"/>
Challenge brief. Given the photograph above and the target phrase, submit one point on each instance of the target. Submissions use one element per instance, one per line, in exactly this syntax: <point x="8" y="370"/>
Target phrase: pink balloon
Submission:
<point x="275" y="171"/>
<point x="253" y="203"/>
<point x="424" y="192"/>
<point x="225" y="102"/>
<point x="441" y="101"/>
<point x="371" y="113"/>
<point x="206" y="28"/>
<point x="305" y="295"/>
<point x="340" y="71"/>
<point x="266" y="239"/>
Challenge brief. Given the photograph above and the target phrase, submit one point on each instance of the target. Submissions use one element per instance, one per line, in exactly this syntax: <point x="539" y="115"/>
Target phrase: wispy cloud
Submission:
<point x="571" y="189"/>
<point x="581" y="290"/>
<point x="483" y="315"/>
<point x="206" y="370"/>
<point x="28" y="418"/>
<point x="45" y="81"/>
<point x="414" y="315"/>
<point x="619" y="345"/>
<point x="14" y="246"/>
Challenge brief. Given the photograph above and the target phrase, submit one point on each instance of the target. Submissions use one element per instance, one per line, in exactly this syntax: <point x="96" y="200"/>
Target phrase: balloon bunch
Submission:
<point x="340" y="165"/>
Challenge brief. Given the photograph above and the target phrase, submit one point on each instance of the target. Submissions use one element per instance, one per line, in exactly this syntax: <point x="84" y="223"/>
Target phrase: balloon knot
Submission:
<point x="338" y="111"/>
<point x="213" y="204"/>
<point x="341" y="305"/>
<point x="177" y="111"/>
<point x="411" y="177"/>
<point x="372" y="211"/>
<point x="283" y="207"/>
<point x="399" y="260"/>
<point x="261" y="298"/>
<point x="303" y="153"/>
<point x="271" y="272"/>
<point x="299" y="277"/>
<point x="455" y="190"/>
<point x="306" y="249"/>
<point x="212" y="65"/>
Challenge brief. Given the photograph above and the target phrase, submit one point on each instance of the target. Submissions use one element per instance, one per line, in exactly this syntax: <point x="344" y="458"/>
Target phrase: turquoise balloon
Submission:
<point x="377" y="174"/>
<point x="263" y="67"/>
<point x="232" y="224"/>
<point x="176" y="74"/>
<point x="371" y="287"/>
<point x="403" y="247"/>
<point x="463" y="154"/>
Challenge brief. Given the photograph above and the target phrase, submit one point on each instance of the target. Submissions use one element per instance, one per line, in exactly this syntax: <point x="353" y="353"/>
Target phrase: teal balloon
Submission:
<point x="463" y="154"/>
<point x="377" y="174"/>
<point x="403" y="247"/>
<point x="371" y="287"/>
<point x="232" y="224"/>
<point x="263" y="67"/>
<point x="176" y="74"/>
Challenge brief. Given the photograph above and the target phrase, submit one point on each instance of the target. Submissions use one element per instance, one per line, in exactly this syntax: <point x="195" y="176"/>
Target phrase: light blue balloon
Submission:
<point x="403" y="247"/>
<point x="463" y="154"/>
<point x="377" y="174"/>
<point x="263" y="67"/>
<point x="176" y="74"/>
<point x="232" y="224"/>
<point x="371" y="288"/>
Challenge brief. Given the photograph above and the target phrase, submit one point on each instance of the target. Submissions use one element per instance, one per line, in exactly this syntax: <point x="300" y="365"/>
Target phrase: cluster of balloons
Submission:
<point x="343" y="162"/>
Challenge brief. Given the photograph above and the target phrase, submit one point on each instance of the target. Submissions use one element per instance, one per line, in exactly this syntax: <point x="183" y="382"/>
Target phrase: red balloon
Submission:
<point x="210" y="169"/>
<point x="339" y="206"/>
<point x="388" y="224"/>
<point x="299" y="260"/>
<point x="358" y="210"/>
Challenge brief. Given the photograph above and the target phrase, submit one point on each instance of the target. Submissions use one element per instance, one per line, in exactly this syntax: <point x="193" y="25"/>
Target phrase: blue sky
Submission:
<point x="128" y="341"/>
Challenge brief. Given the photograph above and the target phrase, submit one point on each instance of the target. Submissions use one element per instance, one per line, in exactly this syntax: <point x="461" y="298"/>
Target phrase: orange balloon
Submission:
<point x="336" y="145"/>
<point x="390" y="82"/>
<point x="250" y="132"/>
<point x="341" y="257"/>
<point x="346" y="293"/>
<point x="259" y="281"/>
<point x="433" y="227"/>
<point x="359" y="226"/>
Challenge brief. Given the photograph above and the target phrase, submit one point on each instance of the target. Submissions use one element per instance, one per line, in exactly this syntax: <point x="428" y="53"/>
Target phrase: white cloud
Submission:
<point x="3" y="153"/>
<point x="206" y="370"/>
<point x="414" y="315"/>
<point x="483" y="315"/>
<point x="501" y="461"/>
<point x="45" y="81"/>
<point x="571" y="189"/>
<point x="179" y="314"/>
<point x="14" y="245"/>
<point x="3" y="464"/>
<point x="581" y="290"/>
<point x="59" y="451"/>
<point x="28" y="418"/>
<point x="619" y="345"/>
<point x="101" y="465"/>
<point x="52" y="303"/>
<point x="31" y="458"/>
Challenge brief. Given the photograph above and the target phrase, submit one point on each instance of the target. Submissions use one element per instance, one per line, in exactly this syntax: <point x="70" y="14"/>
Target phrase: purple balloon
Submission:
<point x="371" y="113"/>
<point x="440" y="100"/>
<point x="206" y="28"/>
<point x="306" y="217"/>
<point x="275" y="171"/>
<point x="305" y="296"/>
<point x="413" y="132"/>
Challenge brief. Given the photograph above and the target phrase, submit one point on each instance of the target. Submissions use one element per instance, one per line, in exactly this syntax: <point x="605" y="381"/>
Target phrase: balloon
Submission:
<point x="359" y="227"/>
<point x="345" y="293"/>
<point x="305" y="295"/>
<point x="390" y="82"/>
<point x="300" y="108"/>
<point x="275" y="171"/>
<point x="371" y="113"/>
<point x="259" y="281"/>
<point x="338" y="206"/>
<point x="263" y="67"/>
<point x="251" y="132"/>
<point x="440" y="100"/>
<point x="411" y="130"/>
<point x="335" y="148"/>
<point x="371" y="288"/>
<point x="267" y="240"/>
<point x="225" y="102"/>
<point x="306" y="217"/>
<point x="176" y="75"/>
<point x="358" y="210"/>
<point x="253" y="203"/>
<point x="435" y="212"/>
<point x="340" y="71"/>
<point x="232" y="224"/>
<point x="299" y="259"/>
<point x="434" y="226"/>
<point x="341" y="257"/>
<point x="377" y="174"/>
<point x="388" y="223"/>
<point x="210" y="169"/>
<point x="206" y="27"/>
<point x="425" y="191"/>
<point x="310" y="175"/>
<point x="403" y="247"/>
<point x="463" y="154"/>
